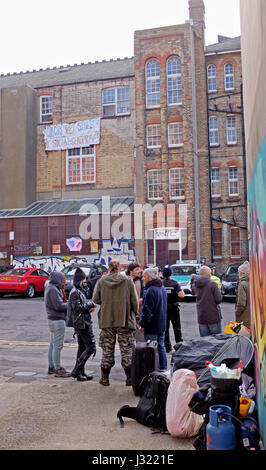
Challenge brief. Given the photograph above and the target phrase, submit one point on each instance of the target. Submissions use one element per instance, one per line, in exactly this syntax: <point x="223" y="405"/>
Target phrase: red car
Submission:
<point x="25" y="281"/>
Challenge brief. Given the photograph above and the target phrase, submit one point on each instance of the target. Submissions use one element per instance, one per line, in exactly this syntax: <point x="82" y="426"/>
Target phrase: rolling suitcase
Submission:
<point x="144" y="361"/>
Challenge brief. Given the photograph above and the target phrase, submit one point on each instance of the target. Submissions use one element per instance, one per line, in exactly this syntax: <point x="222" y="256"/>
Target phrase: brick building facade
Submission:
<point x="153" y="111"/>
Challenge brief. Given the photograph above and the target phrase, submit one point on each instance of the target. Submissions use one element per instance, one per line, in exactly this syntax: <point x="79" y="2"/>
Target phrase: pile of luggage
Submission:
<point x="209" y="392"/>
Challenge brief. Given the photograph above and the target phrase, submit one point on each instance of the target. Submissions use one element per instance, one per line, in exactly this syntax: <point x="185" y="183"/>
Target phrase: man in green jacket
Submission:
<point x="242" y="306"/>
<point x="118" y="300"/>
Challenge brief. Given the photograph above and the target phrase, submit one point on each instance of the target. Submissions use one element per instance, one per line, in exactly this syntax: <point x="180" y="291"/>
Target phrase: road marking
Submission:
<point x="32" y="343"/>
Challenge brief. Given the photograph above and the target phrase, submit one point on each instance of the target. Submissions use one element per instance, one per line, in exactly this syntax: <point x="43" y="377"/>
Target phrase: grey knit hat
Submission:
<point x="152" y="272"/>
<point x="244" y="268"/>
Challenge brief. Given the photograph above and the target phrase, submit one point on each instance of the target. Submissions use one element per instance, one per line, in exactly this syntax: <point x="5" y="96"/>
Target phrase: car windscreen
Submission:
<point x="184" y="270"/>
<point x="71" y="272"/>
<point x="17" y="272"/>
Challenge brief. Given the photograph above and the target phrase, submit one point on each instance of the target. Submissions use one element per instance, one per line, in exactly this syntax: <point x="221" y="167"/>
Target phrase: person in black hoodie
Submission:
<point x="79" y="316"/>
<point x="208" y="299"/>
<point x="174" y="293"/>
<point x="56" y="310"/>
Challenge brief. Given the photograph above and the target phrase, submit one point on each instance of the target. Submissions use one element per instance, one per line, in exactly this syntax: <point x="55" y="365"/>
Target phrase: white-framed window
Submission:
<point x="81" y="165"/>
<point x="176" y="183"/>
<point x="115" y="101"/>
<point x="233" y="181"/>
<point x="152" y="71"/>
<point x="154" y="184"/>
<point x="231" y="130"/>
<point x="174" y="81"/>
<point x="211" y="78"/>
<point x="46" y="109"/>
<point x="235" y="242"/>
<point x="215" y="182"/>
<point x="175" y="134"/>
<point x="153" y="136"/>
<point x="229" y="81"/>
<point x="213" y="131"/>
<point x="217" y="242"/>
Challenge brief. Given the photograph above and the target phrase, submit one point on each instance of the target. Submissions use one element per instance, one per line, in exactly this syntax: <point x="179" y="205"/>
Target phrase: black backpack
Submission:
<point x="150" y="410"/>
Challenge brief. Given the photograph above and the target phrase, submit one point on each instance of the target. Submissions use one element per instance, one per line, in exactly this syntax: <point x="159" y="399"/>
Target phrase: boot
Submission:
<point x="82" y="373"/>
<point x="128" y="375"/>
<point x="76" y="373"/>
<point x="104" y="380"/>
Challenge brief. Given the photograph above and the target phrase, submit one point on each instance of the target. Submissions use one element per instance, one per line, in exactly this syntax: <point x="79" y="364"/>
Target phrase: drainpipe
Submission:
<point x="195" y="145"/>
<point x="209" y="160"/>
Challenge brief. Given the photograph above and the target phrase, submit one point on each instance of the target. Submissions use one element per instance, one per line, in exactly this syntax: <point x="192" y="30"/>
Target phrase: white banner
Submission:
<point x="69" y="136"/>
<point x="167" y="233"/>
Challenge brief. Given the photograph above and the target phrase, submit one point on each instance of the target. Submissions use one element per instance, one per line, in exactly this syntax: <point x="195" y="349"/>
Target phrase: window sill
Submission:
<point x="153" y="107"/>
<point x="178" y="198"/>
<point x="80" y="183"/>
<point x="214" y="145"/>
<point x="174" y="104"/>
<point x="231" y="144"/>
<point x="175" y="146"/>
<point x="233" y="199"/>
<point x="115" y="116"/>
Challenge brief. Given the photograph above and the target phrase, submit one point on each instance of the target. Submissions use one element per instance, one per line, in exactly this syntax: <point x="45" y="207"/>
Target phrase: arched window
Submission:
<point x="174" y="81"/>
<point x="229" y="81"/>
<point x="211" y="78"/>
<point x="152" y="70"/>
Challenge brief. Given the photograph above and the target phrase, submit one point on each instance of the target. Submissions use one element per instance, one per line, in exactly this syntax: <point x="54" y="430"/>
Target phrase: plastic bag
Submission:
<point x="223" y="372"/>
<point x="180" y="421"/>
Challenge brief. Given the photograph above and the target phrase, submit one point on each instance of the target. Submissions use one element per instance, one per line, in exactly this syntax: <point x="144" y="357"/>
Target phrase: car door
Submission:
<point x="34" y="279"/>
<point x="43" y="277"/>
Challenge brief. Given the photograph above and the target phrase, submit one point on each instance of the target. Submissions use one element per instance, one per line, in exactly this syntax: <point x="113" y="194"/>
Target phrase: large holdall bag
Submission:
<point x="144" y="361"/>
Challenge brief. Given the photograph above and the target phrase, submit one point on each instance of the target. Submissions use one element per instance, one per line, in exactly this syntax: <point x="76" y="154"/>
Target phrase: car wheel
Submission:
<point x="30" y="292"/>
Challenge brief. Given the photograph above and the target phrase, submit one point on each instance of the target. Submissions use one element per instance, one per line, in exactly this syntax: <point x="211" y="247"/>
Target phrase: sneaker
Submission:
<point x="61" y="372"/>
<point x="51" y="370"/>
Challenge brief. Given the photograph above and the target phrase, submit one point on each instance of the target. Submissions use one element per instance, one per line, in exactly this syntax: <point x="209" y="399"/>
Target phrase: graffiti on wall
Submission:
<point x="111" y="249"/>
<point x="49" y="263"/>
<point x="114" y="249"/>
<point x="257" y="255"/>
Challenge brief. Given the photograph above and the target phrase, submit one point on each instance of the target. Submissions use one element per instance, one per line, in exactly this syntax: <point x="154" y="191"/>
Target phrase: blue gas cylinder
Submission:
<point x="220" y="431"/>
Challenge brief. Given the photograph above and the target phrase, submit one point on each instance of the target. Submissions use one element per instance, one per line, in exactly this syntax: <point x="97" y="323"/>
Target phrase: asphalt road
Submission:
<point x="43" y="412"/>
<point x="24" y="323"/>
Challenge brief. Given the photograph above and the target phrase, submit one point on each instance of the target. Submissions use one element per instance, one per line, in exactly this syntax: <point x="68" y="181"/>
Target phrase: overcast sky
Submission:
<point x="38" y="34"/>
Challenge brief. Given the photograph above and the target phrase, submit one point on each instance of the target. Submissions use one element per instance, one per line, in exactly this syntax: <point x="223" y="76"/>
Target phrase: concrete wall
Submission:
<point x="18" y="147"/>
<point x="253" y="38"/>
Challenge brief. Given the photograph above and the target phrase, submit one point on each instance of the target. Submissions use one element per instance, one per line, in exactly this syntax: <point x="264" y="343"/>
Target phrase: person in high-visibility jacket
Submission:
<point x="213" y="277"/>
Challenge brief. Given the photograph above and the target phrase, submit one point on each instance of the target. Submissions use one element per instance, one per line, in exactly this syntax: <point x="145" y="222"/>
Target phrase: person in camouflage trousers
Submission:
<point x="107" y="342"/>
<point x="117" y="296"/>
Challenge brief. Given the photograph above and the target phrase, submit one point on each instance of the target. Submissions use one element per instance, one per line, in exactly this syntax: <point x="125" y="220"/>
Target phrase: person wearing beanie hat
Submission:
<point x="79" y="276"/>
<point x="174" y="292"/>
<point x="152" y="321"/>
<point x="242" y="305"/>
<point x="79" y="316"/>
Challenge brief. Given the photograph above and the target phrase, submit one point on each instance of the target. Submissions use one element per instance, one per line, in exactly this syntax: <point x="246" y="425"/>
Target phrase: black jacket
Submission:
<point x="78" y="309"/>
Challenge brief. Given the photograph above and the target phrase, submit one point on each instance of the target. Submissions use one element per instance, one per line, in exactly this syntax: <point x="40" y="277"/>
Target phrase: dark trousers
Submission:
<point x="173" y="316"/>
<point x="85" y="346"/>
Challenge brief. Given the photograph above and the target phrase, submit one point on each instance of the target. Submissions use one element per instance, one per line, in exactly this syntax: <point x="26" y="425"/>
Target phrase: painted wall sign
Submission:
<point x="74" y="243"/>
<point x="68" y="136"/>
<point x="94" y="246"/>
<point x="56" y="249"/>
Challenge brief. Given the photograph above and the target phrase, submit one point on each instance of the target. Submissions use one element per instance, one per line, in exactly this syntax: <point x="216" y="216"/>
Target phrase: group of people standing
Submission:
<point x="131" y="307"/>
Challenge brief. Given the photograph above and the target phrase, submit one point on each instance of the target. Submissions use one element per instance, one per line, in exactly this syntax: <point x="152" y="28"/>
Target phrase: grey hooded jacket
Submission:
<point x="55" y="306"/>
